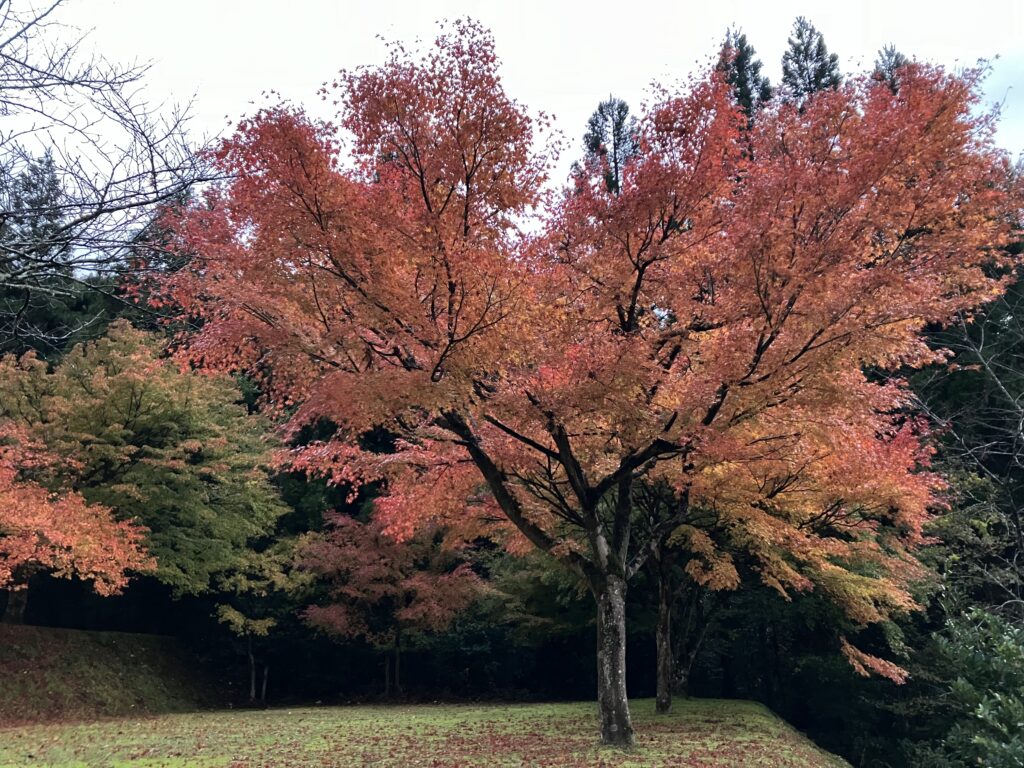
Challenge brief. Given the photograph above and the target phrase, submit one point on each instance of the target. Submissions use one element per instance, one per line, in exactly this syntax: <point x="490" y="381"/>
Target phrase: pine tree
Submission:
<point x="808" y="67"/>
<point x="887" y="66"/>
<point x="610" y="140"/>
<point x="743" y="72"/>
<point x="32" y="301"/>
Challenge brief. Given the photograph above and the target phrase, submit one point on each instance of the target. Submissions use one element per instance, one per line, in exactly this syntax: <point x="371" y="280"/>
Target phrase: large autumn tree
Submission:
<point x="719" y="325"/>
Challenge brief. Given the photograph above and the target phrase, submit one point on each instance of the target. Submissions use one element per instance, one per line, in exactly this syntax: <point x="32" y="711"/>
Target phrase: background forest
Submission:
<point x="178" y="516"/>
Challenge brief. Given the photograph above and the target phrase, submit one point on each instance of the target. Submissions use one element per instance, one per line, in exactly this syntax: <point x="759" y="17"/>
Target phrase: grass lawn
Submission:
<point x="698" y="733"/>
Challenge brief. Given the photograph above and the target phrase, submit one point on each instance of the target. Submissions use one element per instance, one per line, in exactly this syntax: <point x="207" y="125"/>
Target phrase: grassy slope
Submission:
<point x="62" y="674"/>
<point x="712" y="734"/>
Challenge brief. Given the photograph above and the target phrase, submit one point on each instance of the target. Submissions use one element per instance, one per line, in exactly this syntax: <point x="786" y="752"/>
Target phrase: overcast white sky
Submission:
<point x="559" y="57"/>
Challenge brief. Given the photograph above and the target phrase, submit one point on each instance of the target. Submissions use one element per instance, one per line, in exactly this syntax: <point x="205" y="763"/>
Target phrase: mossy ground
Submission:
<point x="699" y="733"/>
<point x="64" y="674"/>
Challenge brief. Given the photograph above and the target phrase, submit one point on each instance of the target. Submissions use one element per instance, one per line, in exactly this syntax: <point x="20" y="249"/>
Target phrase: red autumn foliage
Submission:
<point x="732" y="322"/>
<point x="379" y="587"/>
<point x="58" y="533"/>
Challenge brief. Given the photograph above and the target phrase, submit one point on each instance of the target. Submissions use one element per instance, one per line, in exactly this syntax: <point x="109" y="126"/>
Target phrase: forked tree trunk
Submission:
<point x="17" y="602"/>
<point x="663" y="643"/>
<point x="616" y="725"/>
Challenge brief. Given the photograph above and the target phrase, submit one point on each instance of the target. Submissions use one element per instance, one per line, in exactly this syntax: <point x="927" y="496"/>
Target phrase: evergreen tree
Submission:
<point x="887" y="66"/>
<point x="32" y="300"/>
<point x="51" y="298"/>
<point x="610" y="140"/>
<point x="807" y="66"/>
<point x="743" y="72"/>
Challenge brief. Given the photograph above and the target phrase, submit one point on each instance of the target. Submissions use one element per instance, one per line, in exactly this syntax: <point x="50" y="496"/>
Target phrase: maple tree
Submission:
<point x="381" y="589"/>
<point x="150" y="443"/>
<point x="729" y="323"/>
<point x="56" y="532"/>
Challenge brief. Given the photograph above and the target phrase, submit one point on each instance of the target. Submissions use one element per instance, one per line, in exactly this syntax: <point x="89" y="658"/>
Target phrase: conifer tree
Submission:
<point x="887" y="66"/>
<point x="807" y="66"/>
<point x="610" y="140"/>
<point x="743" y="72"/>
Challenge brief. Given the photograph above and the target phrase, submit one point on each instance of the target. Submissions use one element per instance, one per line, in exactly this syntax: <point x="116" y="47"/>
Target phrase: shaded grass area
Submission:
<point x="64" y="674"/>
<point x="698" y="733"/>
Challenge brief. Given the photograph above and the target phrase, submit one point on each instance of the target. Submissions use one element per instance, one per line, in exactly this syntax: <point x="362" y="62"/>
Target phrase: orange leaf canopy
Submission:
<point x="731" y="322"/>
<point x="58" y="533"/>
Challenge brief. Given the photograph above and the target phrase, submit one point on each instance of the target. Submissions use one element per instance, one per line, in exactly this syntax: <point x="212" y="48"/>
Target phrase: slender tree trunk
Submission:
<point x="398" y="663"/>
<point x="252" y="669"/>
<point x="263" y="690"/>
<point x="663" y="642"/>
<point x="697" y="607"/>
<point x="613" y="704"/>
<point x="17" y="602"/>
<point x="387" y="675"/>
<point x="682" y="681"/>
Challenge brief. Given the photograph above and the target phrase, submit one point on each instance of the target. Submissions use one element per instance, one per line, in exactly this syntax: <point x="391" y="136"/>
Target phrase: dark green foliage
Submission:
<point x="36" y="305"/>
<point x="171" y="449"/>
<point x="53" y="294"/>
<point x="887" y="67"/>
<point x="973" y="677"/>
<point x="988" y="655"/>
<point x="807" y="65"/>
<point x="979" y="402"/>
<point x="742" y="71"/>
<point x="610" y="140"/>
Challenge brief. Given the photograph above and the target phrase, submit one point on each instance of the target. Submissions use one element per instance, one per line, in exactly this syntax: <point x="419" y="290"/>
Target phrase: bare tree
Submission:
<point x="86" y="161"/>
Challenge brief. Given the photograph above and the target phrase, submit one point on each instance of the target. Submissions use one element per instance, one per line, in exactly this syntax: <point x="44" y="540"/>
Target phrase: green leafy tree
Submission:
<point x="979" y="664"/>
<point x="261" y="589"/>
<point x="807" y="65"/>
<point x="172" y="449"/>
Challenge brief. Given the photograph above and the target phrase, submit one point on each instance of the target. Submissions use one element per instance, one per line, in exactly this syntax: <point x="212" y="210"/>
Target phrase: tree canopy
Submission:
<point x="172" y="450"/>
<point x="715" y="325"/>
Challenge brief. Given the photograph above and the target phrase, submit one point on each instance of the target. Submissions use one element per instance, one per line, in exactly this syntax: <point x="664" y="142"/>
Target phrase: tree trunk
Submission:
<point x="398" y="663"/>
<point x="616" y="725"/>
<point x="252" y="669"/>
<point x="663" y="642"/>
<point x="387" y="675"/>
<point x="263" y="690"/>
<point x="17" y="602"/>
<point x="682" y="681"/>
